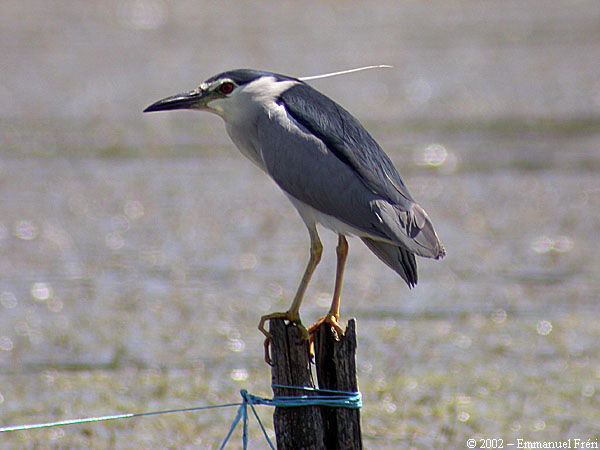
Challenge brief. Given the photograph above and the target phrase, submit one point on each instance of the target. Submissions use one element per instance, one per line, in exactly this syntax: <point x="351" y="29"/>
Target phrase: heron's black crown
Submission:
<point x="245" y="76"/>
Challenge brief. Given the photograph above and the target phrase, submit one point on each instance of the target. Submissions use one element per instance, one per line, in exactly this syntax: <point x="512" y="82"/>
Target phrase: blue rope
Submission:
<point x="251" y="400"/>
<point x="335" y="399"/>
<point x="105" y="418"/>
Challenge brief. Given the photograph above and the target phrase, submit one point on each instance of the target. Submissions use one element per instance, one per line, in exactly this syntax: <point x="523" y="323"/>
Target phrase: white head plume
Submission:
<point x="344" y="72"/>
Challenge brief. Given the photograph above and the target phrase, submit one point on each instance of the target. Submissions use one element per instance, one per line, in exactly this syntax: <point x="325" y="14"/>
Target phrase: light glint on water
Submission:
<point x="435" y="155"/>
<point x="236" y="345"/>
<point x="41" y="291"/>
<point x="558" y="244"/>
<point x="26" y="230"/>
<point x="6" y="344"/>
<point x="134" y="210"/>
<point x="544" y="327"/>
<point x="239" y="374"/>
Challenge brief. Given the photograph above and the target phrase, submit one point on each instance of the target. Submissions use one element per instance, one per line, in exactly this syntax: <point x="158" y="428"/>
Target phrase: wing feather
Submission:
<point x="347" y="139"/>
<point x="398" y="258"/>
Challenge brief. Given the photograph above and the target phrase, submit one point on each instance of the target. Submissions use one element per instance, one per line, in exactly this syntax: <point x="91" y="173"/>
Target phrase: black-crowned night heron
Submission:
<point x="328" y="165"/>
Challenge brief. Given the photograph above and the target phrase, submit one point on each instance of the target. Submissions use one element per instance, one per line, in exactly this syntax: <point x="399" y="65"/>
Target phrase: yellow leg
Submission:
<point x="334" y="312"/>
<point x="293" y="314"/>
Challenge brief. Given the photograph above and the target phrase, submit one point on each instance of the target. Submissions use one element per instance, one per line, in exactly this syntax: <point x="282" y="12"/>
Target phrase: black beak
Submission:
<point x="190" y="100"/>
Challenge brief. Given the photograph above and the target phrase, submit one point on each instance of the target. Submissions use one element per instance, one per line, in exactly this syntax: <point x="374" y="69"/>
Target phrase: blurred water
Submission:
<point x="145" y="248"/>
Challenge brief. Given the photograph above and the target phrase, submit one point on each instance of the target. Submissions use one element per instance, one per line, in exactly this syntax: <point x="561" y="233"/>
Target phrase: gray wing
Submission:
<point x="347" y="139"/>
<point x="305" y="167"/>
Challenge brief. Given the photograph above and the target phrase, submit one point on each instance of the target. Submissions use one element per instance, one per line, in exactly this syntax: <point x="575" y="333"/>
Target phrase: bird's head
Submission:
<point x="221" y="93"/>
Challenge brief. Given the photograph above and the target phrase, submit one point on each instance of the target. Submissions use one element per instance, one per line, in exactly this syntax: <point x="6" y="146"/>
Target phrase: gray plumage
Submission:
<point x="330" y="167"/>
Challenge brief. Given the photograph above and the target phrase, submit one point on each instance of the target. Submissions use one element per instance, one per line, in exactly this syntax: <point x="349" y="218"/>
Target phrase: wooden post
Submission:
<point x="298" y="427"/>
<point x="312" y="427"/>
<point x="336" y="370"/>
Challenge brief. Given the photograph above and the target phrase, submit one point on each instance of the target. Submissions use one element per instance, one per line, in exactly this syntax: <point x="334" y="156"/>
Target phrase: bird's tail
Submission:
<point x="420" y="229"/>
<point x="398" y="258"/>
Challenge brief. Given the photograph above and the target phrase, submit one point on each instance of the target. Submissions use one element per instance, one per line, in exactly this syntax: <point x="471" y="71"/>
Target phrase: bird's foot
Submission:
<point x="290" y="317"/>
<point x="331" y="319"/>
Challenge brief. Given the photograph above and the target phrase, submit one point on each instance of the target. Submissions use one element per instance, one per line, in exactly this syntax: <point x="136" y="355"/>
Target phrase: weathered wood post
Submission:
<point x="314" y="427"/>
<point x="298" y="427"/>
<point x="336" y="370"/>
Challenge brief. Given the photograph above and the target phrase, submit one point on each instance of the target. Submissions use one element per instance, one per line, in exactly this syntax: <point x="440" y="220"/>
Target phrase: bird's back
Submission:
<point x="347" y="139"/>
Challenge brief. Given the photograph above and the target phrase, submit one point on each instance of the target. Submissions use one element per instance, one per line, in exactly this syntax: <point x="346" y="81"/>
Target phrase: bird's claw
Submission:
<point x="332" y="320"/>
<point x="290" y="317"/>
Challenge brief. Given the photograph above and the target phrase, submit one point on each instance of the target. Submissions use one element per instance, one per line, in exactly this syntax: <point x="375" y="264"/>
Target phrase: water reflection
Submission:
<point x="6" y="344"/>
<point x="26" y="230"/>
<point x="558" y="244"/>
<point x="41" y="291"/>
<point x="434" y="155"/>
<point x="463" y="416"/>
<point x="239" y="374"/>
<point x="134" y="210"/>
<point x="544" y="327"/>
<point x="499" y="316"/>
<point x="237" y="345"/>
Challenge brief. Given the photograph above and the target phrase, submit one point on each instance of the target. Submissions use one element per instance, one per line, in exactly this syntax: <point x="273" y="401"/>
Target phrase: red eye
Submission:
<point x="226" y="88"/>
